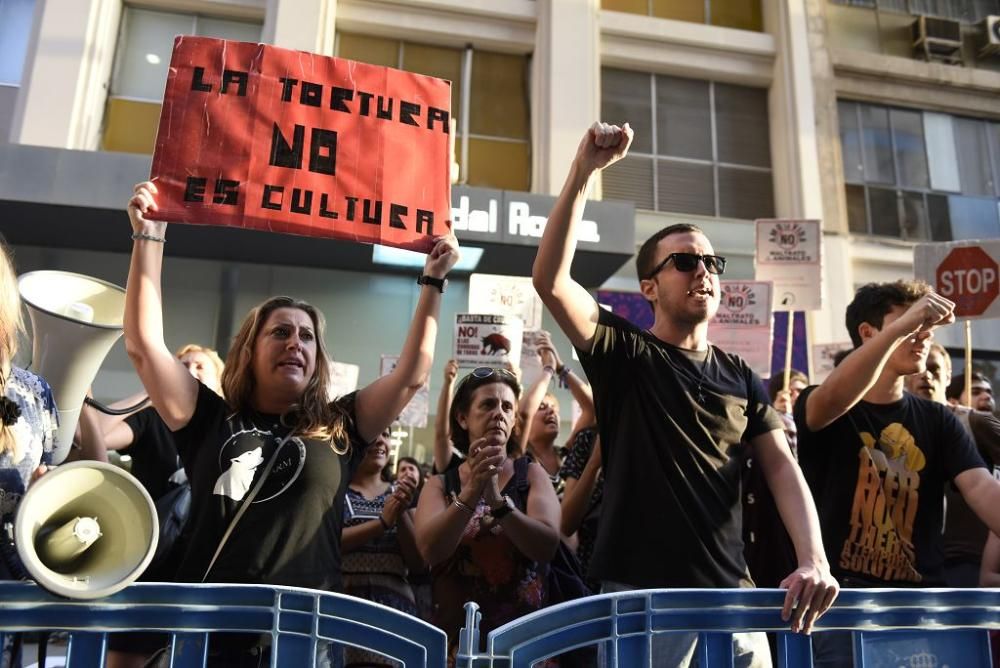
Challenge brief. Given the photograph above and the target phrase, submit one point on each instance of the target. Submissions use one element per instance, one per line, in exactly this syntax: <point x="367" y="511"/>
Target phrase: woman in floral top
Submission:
<point x="28" y="421"/>
<point x="377" y="541"/>
<point x="490" y="527"/>
<point x="28" y="426"/>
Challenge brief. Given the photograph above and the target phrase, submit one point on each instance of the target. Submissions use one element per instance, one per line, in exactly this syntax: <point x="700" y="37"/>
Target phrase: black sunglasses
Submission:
<point x="714" y="264"/>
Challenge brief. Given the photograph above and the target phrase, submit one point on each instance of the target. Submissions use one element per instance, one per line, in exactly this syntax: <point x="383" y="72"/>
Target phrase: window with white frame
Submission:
<point x="919" y="175"/>
<point x="970" y="11"/>
<point x="145" y="42"/>
<point x="492" y="138"/>
<point x="15" y="29"/>
<point x="740" y="14"/>
<point x="700" y="147"/>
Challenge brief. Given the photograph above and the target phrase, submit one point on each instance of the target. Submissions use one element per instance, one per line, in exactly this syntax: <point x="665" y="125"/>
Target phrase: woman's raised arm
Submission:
<point x="381" y="402"/>
<point x="172" y="390"/>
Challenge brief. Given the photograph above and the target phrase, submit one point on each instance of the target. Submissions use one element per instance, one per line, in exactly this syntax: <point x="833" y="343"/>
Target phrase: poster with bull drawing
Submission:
<point x="487" y="340"/>
<point x="743" y="323"/>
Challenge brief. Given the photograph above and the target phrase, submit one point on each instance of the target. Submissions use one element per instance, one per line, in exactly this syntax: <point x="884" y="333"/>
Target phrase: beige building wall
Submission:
<point x="864" y="56"/>
<point x="812" y="53"/>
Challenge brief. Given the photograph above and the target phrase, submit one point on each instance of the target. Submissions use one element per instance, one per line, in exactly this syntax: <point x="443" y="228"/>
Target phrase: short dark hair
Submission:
<point x="777" y="382"/>
<point x="840" y="356"/>
<point x="420" y="469"/>
<point x="872" y="302"/>
<point x="645" y="261"/>
<point x="463" y="400"/>
<point x="957" y="384"/>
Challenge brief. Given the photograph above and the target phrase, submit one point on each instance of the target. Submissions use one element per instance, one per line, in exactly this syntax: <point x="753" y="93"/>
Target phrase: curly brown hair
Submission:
<point x="314" y="416"/>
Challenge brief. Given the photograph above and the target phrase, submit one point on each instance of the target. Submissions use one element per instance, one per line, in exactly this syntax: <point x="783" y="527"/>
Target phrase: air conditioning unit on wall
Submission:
<point x="937" y="39"/>
<point x="991" y="36"/>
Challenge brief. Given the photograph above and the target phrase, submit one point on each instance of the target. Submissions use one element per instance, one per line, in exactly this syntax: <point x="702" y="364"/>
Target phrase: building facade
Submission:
<point x="743" y="109"/>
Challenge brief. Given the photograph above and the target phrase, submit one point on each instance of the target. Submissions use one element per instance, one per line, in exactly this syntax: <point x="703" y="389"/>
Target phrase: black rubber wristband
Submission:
<point x="438" y="283"/>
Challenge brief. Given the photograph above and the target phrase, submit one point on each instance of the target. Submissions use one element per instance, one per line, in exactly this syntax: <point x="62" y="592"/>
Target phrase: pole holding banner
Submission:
<point x="788" y="351"/>
<point x="968" y="363"/>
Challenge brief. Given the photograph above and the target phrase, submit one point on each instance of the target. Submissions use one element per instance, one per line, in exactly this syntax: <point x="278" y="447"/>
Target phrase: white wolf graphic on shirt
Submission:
<point x="235" y="482"/>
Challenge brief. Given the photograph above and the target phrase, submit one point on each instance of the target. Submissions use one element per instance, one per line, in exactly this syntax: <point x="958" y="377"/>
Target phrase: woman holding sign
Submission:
<point x="490" y="526"/>
<point x="269" y="464"/>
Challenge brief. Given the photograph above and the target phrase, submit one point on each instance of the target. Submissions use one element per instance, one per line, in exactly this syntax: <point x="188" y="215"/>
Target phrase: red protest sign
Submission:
<point x="271" y="139"/>
<point x="968" y="276"/>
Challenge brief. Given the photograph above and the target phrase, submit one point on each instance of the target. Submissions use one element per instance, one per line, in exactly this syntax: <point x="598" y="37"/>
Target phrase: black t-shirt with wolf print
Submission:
<point x="290" y="535"/>
<point x="877" y="474"/>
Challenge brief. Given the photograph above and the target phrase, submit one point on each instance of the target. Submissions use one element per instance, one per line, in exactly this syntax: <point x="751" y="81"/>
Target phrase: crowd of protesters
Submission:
<point x="682" y="470"/>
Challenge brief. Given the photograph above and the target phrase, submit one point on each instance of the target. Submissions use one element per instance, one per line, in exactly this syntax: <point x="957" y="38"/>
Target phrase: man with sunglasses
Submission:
<point x="673" y="414"/>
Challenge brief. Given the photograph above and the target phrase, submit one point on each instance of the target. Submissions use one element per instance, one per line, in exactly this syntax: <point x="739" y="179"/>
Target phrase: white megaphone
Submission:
<point x="85" y="530"/>
<point x="75" y="320"/>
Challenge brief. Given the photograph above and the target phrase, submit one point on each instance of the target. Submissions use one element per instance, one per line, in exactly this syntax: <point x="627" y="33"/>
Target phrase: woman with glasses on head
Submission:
<point x="275" y="437"/>
<point x="489" y="527"/>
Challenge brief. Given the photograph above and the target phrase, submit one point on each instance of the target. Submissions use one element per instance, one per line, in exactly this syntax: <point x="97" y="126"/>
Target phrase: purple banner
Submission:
<point x="800" y="354"/>
<point x="630" y="305"/>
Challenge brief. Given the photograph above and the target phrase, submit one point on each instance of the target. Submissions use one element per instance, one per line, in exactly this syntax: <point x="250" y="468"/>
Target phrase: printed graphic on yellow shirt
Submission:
<point x="880" y="542"/>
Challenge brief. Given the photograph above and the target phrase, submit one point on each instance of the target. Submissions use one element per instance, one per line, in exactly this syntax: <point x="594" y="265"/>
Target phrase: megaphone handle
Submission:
<point x="94" y="403"/>
<point x="10" y="564"/>
<point x="247" y="500"/>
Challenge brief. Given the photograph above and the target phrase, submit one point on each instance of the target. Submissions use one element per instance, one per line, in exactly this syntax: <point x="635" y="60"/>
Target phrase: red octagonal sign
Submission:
<point x="968" y="276"/>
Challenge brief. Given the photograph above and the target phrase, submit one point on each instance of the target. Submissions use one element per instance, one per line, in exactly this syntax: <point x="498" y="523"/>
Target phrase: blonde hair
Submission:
<point x="210" y="353"/>
<point x="11" y="326"/>
<point x="314" y="416"/>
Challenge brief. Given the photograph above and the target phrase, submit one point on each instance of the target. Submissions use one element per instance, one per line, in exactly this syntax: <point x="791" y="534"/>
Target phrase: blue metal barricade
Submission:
<point x="890" y="627"/>
<point x="297" y="621"/>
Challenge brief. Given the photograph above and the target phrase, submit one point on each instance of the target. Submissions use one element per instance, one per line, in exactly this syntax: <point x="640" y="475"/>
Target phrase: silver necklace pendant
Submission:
<point x="701" y="377"/>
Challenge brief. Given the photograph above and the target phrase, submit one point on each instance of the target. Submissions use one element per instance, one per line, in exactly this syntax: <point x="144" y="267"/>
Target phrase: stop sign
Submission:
<point x="968" y="276"/>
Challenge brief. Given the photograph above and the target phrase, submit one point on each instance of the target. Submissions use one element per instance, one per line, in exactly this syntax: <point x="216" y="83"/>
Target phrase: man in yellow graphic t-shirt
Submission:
<point x="877" y="459"/>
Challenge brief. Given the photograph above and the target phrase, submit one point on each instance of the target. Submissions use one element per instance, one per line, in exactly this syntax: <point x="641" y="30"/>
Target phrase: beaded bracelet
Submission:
<point x="563" y="374"/>
<point x="147" y="237"/>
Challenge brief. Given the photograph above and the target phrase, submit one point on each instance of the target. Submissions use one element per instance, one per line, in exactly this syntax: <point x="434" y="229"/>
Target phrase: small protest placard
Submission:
<point x="789" y="255"/>
<point x="529" y="348"/>
<point x="415" y="412"/>
<point x="487" y="340"/>
<point x="506" y="295"/>
<point x="343" y="379"/>
<point x="260" y="137"/>
<point x="743" y="322"/>
<point x="823" y="355"/>
<point x="966" y="272"/>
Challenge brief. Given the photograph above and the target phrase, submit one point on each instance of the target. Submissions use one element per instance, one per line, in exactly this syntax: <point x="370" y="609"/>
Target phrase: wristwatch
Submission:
<point x="504" y="509"/>
<point x="438" y="283"/>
